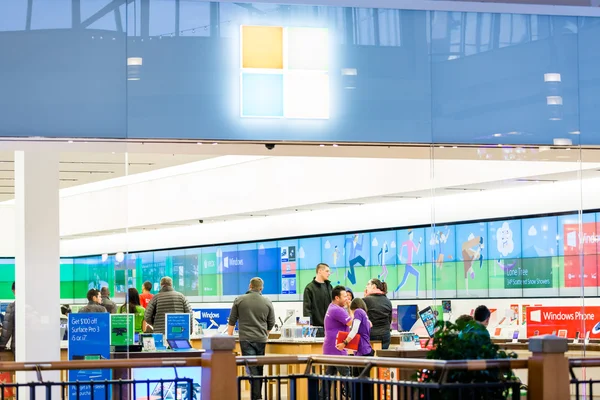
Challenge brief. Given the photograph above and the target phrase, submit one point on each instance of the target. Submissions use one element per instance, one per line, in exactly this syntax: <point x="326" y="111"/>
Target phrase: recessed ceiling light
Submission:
<point x="455" y="147"/>
<point x="70" y="141"/>
<point x="554" y="100"/>
<point x="552" y="77"/>
<point x="562" y="142"/>
<point x="321" y="145"/>
<point x="335" y="145"/>
<point x="497" y="134"/>
<point x="215" y="143"/>
<point x="441" y="147"/>
<point x="575" y="133"/>
<point x="199" y="143"/>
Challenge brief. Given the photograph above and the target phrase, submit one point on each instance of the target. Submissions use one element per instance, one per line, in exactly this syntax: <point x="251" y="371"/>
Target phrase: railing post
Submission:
<point x="219" y="371"/>
<point x="548" y="368"/>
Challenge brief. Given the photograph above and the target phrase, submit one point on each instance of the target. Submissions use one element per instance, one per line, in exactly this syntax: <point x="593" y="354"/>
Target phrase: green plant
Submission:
<point x="467" y="342"/>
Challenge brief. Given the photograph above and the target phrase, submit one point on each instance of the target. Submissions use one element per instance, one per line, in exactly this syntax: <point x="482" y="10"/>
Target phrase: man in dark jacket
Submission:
<point x="164" y="302"/>
<point x="317" y="297"/>
<point x="8" y="328"/>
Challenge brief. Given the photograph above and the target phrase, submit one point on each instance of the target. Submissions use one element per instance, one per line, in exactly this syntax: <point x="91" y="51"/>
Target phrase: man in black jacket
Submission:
<point x="317" y="297"/>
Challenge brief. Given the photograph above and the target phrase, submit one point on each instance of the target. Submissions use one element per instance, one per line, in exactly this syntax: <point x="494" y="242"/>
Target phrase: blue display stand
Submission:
<point x="89" y="339"/>
<point x="177" y="326"/>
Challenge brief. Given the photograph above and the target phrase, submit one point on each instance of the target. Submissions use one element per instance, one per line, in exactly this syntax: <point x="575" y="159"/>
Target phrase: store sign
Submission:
<point x="546" y="320"/>
<point x="211" y="318"/>
<point x="284" y="72"/>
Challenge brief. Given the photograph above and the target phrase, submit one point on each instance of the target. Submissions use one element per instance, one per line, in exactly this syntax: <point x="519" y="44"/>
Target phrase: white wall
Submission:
<point x="528" y="200"/>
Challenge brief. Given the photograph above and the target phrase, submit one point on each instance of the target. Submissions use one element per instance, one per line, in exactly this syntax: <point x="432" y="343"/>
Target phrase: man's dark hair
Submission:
<point x="321" y="266"/>
<point x="337" y="291"/>
<point x="463" y="320"/>
<point x="147" y="285"/>
<point x="13" y="286"/>
<point x="105" y="292"/>
<point x="481" y="313"/>
<point x="91" y="294"/>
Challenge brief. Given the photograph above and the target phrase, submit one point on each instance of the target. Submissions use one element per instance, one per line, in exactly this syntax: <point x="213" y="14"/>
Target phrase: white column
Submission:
<point x="37" y="275"/>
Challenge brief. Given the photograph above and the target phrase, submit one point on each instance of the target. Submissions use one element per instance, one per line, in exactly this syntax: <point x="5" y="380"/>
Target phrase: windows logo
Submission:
<point x="284" y="72"/>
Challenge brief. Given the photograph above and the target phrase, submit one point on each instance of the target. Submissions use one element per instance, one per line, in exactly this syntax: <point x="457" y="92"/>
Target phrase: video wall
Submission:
<point x="520" y="257"/>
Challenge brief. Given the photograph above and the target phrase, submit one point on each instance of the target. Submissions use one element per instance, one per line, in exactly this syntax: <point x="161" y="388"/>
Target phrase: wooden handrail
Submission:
<point x="388" y="362"/>
<point x="403" y="363"/>
<point x="584" y="362"/>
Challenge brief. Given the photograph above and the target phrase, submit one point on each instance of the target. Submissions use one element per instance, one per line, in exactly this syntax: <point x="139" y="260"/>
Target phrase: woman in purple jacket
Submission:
<point x="360" y="326"/>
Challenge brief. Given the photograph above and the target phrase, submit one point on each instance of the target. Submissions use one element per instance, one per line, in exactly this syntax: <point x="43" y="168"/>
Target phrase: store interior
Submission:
<point x="131" y="212"/>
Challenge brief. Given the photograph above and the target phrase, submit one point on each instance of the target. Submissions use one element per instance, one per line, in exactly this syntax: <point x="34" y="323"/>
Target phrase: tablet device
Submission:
<point x="429" y="320"/>
<point x="562" y="333"/>
<point x="179" y="344"/>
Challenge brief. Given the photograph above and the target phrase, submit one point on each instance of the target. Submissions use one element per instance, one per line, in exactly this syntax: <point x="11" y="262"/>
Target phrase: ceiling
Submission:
<point x="86" y="162"/>
<point x="87" y="167"/>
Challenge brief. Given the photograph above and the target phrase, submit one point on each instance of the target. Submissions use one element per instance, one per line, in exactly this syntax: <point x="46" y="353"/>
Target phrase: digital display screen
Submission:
<point x="407" y="317"/>
<point x="429" y="320"/>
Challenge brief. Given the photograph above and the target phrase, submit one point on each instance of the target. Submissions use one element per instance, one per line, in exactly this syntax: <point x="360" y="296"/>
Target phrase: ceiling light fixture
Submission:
<point x="215" y="143"/>
<point x="552" y="77"/>
<point x="554" y="100"/>
<point x="562" y="142"/>
<point x="575" y="133"/>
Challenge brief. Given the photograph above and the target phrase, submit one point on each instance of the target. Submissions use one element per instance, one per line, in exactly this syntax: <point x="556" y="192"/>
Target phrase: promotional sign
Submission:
<point x="546" y="320"/>
<point x="177" y="326"/>
<point x="122" y="329"/>
<point x="211" y="318"/>
<point x="89" y="339"/>
<point x="588" y="239"/>
<point x="533" y="273"/>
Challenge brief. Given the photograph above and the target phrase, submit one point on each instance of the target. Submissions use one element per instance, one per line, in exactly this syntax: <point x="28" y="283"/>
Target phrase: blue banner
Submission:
<point x="211" y="318"/>
<point x="89" y="339"/>
<point x="177" y="326"/>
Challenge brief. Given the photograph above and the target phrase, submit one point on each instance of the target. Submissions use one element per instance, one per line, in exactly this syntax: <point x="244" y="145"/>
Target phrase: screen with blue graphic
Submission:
<point x="440" y="244"/>
<point x="539" y="237"/>
<point x="526" y="255"/>
<point x="211" y="318"/>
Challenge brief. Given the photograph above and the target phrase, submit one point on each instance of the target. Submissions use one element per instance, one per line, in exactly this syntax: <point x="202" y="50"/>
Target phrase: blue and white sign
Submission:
<point x="211" y="318"/>
<point x="89" y="339"/>
<point x="177" y="326"/>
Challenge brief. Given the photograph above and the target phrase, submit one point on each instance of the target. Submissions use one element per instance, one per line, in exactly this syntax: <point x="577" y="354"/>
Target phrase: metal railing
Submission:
<point x="181" y="388"/>
<point x="361" y="377"/>
<point x="581" y="386"/>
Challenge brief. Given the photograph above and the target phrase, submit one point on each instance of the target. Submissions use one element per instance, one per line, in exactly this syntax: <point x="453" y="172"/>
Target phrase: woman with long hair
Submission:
<point x="379" y="311"/>
<point x="132" y="306"/>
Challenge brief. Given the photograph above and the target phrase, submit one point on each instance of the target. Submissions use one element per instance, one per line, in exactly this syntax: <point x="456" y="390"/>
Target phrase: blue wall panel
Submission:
<point x="394" y="75"/>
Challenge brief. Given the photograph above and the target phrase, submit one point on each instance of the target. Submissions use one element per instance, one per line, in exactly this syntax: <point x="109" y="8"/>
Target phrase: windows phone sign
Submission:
<point x="546" y="320"/>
